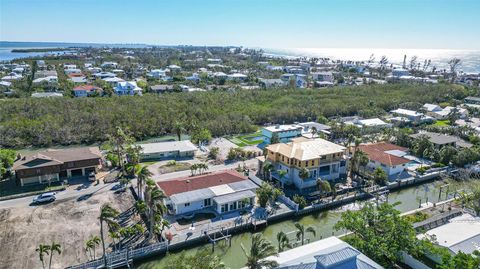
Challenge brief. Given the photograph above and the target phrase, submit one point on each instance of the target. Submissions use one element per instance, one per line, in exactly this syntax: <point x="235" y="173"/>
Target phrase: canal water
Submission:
<point x="323" y="222"/>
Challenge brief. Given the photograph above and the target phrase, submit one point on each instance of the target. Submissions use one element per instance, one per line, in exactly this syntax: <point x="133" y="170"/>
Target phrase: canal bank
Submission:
<point x="322" y="221"/>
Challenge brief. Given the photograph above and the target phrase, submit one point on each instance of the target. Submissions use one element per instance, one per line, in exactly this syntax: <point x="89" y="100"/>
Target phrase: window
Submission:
<point x="233" y="206"/>
<point x="207" y="202"/>
<point x="313" y="162"/>
<point x="187" y="204"/>
<point x="224" y="208"/>
<point x="334" y="168"/>
<point x="342" y="163"/>
<point x="324" y="157"/>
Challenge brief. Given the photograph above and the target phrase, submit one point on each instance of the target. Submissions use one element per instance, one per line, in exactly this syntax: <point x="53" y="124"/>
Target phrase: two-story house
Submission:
<point x="284" y="132"/>
<point x="321" y="158"/>
<point x="128" y="88"/>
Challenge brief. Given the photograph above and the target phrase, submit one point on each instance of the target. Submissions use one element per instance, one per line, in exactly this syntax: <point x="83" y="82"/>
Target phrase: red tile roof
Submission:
<point x="72" y="75"/>
<point x="180" y="185"/>
<point x="86" y="88"/>
<point x="376" y="152"/>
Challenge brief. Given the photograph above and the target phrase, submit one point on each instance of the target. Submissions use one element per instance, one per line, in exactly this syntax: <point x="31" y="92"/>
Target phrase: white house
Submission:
<point x="128" y="88"/>
<point x="323" y="76"/>
<point x="104" y="75"/>
<point x="109" y="65"/>
<point x="167" y="150"/>
<point x="222" y="192"/>
<point x="49" y="79"/>
<point x="157" y="73"/>
<point x="386" y="156"/>
<point x="284" y="132"/>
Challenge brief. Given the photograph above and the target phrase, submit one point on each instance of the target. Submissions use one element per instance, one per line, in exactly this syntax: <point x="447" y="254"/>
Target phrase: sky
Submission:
<point x="408" y="24"/>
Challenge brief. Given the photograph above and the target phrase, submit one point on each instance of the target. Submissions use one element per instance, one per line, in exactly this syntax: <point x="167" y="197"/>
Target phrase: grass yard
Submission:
<point x="247" y="139"/>
<point x="178" y="166"/>
<point x="441" y="123"/>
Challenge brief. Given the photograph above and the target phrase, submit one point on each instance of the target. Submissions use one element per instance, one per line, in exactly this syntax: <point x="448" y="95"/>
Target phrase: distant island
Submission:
<point x="39" y="50"/>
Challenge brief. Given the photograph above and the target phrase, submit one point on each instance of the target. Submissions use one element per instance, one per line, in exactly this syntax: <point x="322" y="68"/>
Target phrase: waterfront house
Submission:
<point x="128" y="88"/>
<point x="167" y="150"/>
<point x="222" y="192"/>
<point x="328" y="253"/>
<point x="86" y="90"/>
<point x="440" y="140"/>
<point x="439" y="113"/>
<point x="386" y="156"/>
<point x="410" y="116"/>
<point x="322" y="159"/>
<point x="460" y="234"/>
<point x="56" y="164"/>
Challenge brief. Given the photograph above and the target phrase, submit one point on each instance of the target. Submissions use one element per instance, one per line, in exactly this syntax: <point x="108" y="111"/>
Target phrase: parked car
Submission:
<point x="44" y="198"/>
<point x="92" y="177"/>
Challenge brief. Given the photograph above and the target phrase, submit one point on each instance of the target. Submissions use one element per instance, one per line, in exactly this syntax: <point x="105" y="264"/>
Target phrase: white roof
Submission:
<point x="282" y="128"/>
<point x="407" y="112"/>
<point x="114" y="79"/>
<point x="181" y="146"/>
<point x="431" y="107"/>
<point x="461" y="231"/>
<point x="221" y="189"/>
<point x="372" y="122"/>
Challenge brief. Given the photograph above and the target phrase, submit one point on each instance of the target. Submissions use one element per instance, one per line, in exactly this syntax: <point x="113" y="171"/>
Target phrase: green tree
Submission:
<point x="54" y="247"/>
<point x="143" y="174"/>
<point x="259" y="250"/>
<point x="447" y="154"/>
<point x="379" y="232"/>
<point x="323" y="186"/>
<point x="379" y="176"/>
<point x="91" y="245"/>
<point x="283" y="241"/>
<point x="42" y="250"/>
<point x="275" y="139"/>
<point x="303" y="173"/>
<point x="7" y="157"/>
<point x="179" y="129"/>
<point x="108" y="215"/>
<point x="264" y="194"/>
<point x="201" y="136"/>
<point x="301" y="230"/>
<point x="267" y="168"/>
<point x="154" y="199"/>
<point x="213" y="153"/>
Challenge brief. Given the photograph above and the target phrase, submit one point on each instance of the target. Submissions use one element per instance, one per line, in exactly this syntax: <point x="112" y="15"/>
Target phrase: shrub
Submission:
<point x="300" y="200"/>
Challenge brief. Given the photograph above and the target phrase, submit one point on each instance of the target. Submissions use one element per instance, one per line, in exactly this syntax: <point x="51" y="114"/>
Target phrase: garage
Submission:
<point x="89" y="170"/>
<point x="76" y="172"/>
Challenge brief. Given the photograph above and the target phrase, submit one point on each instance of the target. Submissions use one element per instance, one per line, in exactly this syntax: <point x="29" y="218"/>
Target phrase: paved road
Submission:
<point x="252" y="163"/>
<point x="72" y="192"/>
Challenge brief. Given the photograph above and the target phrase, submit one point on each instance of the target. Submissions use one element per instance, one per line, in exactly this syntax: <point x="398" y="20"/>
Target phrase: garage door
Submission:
<point x="88" y="170"/>
<point x="77" y="173"/>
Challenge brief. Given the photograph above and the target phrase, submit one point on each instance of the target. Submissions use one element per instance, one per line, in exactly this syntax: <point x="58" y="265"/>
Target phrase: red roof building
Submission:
<point x="186" y="184"/>
<point x="387" y="156"/>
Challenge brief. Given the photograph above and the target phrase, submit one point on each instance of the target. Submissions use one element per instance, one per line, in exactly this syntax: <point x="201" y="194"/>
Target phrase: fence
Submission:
<point x="291" y="204"/>
<point x="121" y="257"/>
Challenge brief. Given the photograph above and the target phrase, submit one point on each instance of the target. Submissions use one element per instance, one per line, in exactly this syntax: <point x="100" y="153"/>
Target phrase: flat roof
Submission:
<point x="282" y="128"/>
<point x="462" y="233"/>
<point x="235" y="196"/>
<point x="181" y="146"/>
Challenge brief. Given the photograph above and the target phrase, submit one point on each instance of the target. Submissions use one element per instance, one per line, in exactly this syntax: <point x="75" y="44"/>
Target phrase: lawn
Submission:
<point x="247" y="139"/>
<point x="441" y="123"/>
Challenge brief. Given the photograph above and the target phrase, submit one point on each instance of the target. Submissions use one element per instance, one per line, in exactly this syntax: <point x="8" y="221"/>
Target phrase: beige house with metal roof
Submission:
<point x="323" y="159"/>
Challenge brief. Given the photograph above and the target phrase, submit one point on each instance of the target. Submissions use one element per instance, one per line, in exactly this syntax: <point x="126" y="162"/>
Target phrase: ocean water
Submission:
<point x="470" y="59"/>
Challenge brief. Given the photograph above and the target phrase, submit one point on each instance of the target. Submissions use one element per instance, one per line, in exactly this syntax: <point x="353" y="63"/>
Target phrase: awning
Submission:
<point x="232" y="197"/>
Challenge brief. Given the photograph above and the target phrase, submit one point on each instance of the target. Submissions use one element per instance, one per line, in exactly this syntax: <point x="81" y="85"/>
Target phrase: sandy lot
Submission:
<point x="69" y="223"/>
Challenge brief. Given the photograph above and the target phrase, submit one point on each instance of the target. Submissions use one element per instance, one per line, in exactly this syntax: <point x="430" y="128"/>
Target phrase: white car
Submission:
<point x="44" y="198"/>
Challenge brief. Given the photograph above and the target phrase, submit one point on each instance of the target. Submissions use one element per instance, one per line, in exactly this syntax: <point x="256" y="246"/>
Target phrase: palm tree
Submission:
<point x="143" y="174"/>
<point x="107" y="215"/>
<point x="42" y="250"/>
<point x="302" y="230"/>
<point x="89" y="246"/>
<point x="323" y="187"/>
<point x="281" y="175"/>
<point x="155" y="205"/>
<point x="55" y="247"/>
<point x="260" y="249"/>
<point x="314" y="131"/>
<point x="283" y="241"/>
<point x="304" y="173"/>
<point x="178" y="128"/>
<point x="267" y="168"/>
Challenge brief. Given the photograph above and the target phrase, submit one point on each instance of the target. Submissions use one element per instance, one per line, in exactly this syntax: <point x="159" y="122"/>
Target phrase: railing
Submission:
<point x="121" y="257"/>
<point x="284" y="199"/>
